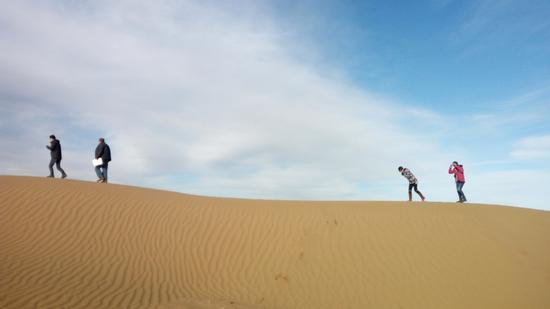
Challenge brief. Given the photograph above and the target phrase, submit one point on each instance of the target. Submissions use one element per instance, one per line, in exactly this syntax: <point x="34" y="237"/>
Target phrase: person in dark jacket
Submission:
<point x="104" y="152"/>
<point x="55" y="154"/>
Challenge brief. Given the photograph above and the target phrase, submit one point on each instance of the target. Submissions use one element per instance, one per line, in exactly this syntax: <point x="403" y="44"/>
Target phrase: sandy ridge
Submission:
<point x="74" y="244"/>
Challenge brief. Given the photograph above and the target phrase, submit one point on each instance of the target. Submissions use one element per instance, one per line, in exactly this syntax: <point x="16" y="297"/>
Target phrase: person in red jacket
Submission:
<point x="458" y="171"/>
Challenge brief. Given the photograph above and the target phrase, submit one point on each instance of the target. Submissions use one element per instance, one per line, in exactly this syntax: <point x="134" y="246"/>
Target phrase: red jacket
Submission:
<point x="459" y="173"/>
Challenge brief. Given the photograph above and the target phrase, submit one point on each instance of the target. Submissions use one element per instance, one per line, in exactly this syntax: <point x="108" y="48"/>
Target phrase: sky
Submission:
<point x="316" y="100"/>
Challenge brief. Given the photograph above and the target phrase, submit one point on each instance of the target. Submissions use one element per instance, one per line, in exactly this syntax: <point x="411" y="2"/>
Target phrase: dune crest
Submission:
<point x="74" y="244"/>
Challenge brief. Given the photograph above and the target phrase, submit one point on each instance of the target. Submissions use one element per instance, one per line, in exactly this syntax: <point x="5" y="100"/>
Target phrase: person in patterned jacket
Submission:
<point x="413" y="182"/>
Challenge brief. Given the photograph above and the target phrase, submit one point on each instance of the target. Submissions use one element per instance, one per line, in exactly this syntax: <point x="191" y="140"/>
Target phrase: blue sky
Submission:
<point x="436" y="53"/>
<point x="284" y="99"/>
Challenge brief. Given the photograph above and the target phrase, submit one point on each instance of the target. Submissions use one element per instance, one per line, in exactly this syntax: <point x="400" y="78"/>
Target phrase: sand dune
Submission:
<point x="73" y="244"/>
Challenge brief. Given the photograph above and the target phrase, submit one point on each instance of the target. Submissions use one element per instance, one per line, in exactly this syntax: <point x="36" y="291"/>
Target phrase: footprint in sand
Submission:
<point x="281" y="277"/>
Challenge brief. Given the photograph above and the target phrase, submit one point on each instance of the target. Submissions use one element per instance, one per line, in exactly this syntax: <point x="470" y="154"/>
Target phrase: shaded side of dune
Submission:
<point x="73" y="244"/>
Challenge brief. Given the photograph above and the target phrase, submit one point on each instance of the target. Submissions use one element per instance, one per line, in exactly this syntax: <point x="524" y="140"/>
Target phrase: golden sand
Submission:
<point x="74" y="244"/>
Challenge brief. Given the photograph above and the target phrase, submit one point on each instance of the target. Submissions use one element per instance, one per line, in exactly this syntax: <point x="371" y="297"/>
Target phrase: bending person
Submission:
<point x="413" y="182"/>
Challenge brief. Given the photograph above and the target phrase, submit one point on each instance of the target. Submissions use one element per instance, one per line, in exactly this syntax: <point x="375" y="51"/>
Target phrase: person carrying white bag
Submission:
<point x="101" y="161"/>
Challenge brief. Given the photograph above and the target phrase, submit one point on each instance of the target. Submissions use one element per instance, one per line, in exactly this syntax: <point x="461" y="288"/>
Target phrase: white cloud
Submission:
<point x="515" y="187"/>
<point x="193" y="89"/>
<point x="202" y="99"/>
<point x="532" y="148"/>
<point x="512" y="117"/>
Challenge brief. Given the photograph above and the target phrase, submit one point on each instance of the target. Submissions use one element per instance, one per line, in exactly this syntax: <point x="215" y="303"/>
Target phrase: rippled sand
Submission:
<point x="74" y="244"/>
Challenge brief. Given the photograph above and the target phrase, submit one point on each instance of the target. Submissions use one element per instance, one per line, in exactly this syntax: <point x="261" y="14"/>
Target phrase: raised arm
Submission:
<point x="452" y="169"/>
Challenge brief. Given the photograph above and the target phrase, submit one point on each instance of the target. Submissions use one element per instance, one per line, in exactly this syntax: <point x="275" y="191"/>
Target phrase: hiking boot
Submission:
<point x="421" y="196"/>
<point x="99" y="180"/>
<point x="64" y="176"/>
<point x="50" y="176"/>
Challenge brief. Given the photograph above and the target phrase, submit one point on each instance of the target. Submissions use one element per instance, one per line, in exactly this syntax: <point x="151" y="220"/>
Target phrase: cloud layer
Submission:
<point x="203" y="99"/>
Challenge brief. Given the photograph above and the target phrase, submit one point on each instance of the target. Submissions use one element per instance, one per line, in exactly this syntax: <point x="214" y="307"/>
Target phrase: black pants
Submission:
<point x="415" y="186"/>
<point x="57" y="163"/>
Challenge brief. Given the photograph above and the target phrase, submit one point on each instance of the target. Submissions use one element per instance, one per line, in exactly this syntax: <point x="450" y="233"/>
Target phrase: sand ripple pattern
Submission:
<point x="74" y="244"/>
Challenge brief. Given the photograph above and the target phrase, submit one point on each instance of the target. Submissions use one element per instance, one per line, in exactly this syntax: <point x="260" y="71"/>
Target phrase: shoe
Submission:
<point x="64" y="176"/>
<point x="50" y="176"/>
<point x="459" y="201"/>
<point x="99" y="180"/>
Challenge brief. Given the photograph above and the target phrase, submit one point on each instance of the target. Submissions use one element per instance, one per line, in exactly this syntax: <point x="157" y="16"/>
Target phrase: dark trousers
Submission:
<point x="461" y="196"/>
<point x="413" y="186"/>
<point x="57" y="163"/>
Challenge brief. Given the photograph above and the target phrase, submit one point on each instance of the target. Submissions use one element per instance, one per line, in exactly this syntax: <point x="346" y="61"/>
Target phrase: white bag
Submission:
<point x="97" y="162"/>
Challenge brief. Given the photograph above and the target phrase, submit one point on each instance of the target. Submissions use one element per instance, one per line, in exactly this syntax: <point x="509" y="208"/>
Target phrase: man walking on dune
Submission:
<point x="55" y="154"/>
<point x="103" y="152"/>
<point x="413" y="182"/>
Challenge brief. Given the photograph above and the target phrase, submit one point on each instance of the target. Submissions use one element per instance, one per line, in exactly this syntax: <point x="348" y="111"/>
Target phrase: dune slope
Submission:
<point x="73" y="244"/>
